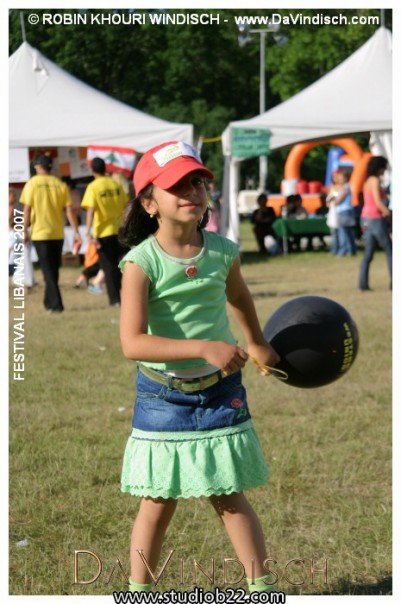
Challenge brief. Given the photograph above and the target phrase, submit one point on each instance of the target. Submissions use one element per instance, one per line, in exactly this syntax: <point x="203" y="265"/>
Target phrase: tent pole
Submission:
<point x="262" y="106"/>
<point x="233" y="217"/>
<point x="382" y="19"/>
<point x="21" y="18"/>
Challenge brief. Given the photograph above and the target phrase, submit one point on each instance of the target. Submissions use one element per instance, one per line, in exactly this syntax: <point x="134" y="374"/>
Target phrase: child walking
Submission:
<point x="192" y="430"/>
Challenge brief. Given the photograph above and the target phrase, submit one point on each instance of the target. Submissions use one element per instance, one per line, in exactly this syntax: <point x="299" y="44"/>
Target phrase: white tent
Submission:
<point x="50" y="107"/>
<point x="356" y="96"/>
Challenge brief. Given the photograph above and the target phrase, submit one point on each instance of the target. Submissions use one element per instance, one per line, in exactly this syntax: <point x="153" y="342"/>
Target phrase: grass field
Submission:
<point x="329" y="449"/>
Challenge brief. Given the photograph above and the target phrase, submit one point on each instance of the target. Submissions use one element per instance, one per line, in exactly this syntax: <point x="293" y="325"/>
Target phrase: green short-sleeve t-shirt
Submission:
<point x="187" y="307"/>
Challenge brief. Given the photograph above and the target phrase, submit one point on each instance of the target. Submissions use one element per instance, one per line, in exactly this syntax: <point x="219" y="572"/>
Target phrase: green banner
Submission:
<point x="250" y="142"/>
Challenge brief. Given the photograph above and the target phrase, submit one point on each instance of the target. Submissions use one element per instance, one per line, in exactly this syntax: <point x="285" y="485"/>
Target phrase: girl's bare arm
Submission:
<point x="375" y="190"/>
<point x="243" y="308"/>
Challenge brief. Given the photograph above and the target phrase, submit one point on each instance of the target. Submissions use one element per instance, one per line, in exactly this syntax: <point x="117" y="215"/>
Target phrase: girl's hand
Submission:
<point x="227" y="357"/>
<point x="264" y="354"/>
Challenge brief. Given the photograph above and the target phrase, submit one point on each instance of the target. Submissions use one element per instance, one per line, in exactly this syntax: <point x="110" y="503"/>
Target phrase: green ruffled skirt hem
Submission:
<point x="193" y="464"/>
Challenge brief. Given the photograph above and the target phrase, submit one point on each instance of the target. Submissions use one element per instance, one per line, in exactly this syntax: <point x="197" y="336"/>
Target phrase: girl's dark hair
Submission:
<point x="345" y="172"/>
<point x="376" y="164"/>
<point x="138" y="225"/>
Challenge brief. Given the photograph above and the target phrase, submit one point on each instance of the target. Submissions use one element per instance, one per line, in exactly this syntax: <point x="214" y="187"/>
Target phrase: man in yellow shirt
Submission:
<point x="45" y="198"/>
<point x="104" y="201"/>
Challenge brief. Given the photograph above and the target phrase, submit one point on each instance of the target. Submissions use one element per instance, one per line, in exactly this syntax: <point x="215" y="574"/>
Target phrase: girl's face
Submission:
<point x="185" y="202"/>
<point x="341" y="178"/>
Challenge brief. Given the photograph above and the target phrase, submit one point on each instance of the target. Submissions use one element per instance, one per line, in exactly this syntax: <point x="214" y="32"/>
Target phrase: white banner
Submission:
<point x="67" y="154"/>
<point x="79" y="168"/>
<point x="18" y="167"/>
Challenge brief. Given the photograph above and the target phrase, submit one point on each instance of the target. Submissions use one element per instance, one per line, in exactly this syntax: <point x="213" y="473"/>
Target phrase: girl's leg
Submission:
<point x="244" y="529"/>
<point x="342" y="242"/>
<point x="350" y="236"/>
<point x="334" y="241"/>
<point x="148" y="535"/>
<point x="80" y="279"/>
<point x="370" y="247"/>
<point x="382" y="232"/>
<point x="99" y="277"/>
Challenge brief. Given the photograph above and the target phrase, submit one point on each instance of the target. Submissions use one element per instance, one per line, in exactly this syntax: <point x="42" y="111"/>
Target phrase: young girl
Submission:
<point x="345" y="215"/>
<point x="332" y="217"/>
<point x="192" y="431"/>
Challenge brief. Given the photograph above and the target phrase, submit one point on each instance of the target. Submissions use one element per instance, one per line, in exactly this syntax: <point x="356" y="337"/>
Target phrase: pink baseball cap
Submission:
<point x="165" y="164"/>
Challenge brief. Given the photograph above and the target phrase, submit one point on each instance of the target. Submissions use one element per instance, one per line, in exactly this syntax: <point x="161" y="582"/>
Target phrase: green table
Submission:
<point x="287" y="227"/>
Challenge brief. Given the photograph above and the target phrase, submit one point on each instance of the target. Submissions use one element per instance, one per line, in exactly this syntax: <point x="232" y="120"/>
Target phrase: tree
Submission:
<point x="196" y="73"/>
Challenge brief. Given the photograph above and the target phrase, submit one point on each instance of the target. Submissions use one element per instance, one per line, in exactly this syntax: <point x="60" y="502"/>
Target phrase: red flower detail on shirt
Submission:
<point x="236" y="403"/>
<point x="191" y="271"/>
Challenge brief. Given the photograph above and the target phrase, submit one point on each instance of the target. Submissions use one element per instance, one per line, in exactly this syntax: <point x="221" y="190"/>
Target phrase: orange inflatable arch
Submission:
<point x="292" y="168"/>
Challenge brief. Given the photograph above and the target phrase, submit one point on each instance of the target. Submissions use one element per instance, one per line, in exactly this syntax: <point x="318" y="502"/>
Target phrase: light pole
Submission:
<point x="262" y="104"/>
<point x="243" y="38"/>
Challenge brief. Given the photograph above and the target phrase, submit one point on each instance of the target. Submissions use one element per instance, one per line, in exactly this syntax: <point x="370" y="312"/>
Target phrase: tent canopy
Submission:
<point x="50" y="107"/>
<point x="354" y="97"/>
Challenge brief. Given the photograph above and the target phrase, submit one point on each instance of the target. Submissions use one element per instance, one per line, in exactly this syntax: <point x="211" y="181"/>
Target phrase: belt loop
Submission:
<point x="170" y="382"/>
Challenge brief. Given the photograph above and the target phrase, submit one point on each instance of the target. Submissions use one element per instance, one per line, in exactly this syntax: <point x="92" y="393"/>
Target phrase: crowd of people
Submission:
<point x="370" y="219"/>
<point x="48" y="202"/>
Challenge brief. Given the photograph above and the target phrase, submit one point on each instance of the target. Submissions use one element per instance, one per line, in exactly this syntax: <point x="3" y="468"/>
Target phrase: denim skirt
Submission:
<point x="192" y="444"/>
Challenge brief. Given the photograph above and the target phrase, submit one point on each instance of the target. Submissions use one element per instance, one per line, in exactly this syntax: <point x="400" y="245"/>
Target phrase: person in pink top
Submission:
<point x="375" y="224"/>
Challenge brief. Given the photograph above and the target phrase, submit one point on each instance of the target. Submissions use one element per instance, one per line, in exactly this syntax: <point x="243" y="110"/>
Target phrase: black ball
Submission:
<point x="316" y="339"/>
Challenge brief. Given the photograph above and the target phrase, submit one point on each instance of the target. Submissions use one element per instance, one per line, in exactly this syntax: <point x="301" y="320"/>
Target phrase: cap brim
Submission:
<point x="186" y="165"/>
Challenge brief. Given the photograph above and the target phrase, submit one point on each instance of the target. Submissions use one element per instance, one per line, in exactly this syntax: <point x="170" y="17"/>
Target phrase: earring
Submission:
<point x="152" y="215"/>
